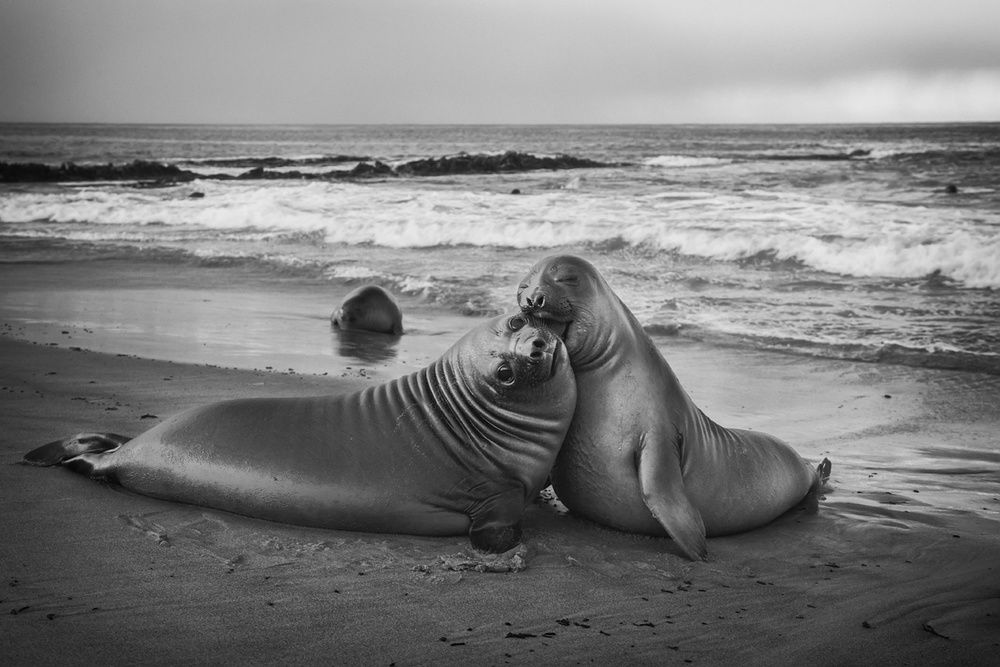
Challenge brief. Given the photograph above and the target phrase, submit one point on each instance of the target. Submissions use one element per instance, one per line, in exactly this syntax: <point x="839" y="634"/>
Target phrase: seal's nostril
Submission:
<point x="538" y="342"/>
<point x="535" y="301"/>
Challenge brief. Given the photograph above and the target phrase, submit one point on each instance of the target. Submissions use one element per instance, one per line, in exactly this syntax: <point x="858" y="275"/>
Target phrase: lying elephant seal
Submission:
<point x="639" y="455"/>
<point x="461" y="446"/>
<point x="369" y="308"/>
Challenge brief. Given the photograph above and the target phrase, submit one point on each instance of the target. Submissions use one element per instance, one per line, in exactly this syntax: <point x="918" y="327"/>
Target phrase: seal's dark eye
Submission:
<point x="516" y="323"/>
<point x="505" y="374"/>
<point x="568" y="280"/>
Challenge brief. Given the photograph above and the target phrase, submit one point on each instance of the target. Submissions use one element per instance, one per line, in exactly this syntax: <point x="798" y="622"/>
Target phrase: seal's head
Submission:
<point x="369" y="308"/>
<point x="515" y="359"/>
<point x="573" y="299"/>
<point x="509" y="393"/>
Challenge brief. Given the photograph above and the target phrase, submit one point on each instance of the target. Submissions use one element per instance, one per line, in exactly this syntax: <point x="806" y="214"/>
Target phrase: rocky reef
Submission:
<point x="158" y="173"/>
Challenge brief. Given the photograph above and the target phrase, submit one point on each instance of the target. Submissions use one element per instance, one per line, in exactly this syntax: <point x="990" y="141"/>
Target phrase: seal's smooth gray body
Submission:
<point x="640" y="456"/>
<point x="461" y="446"/>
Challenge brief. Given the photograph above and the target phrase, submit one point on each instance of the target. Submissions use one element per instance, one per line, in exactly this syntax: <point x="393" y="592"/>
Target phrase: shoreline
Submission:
<point x="900" y="554"/>
<point x="245" y="317"/>
<point x="228" y="317"/>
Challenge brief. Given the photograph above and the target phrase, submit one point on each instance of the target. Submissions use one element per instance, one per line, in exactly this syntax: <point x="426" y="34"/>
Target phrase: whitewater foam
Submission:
<point x="835" y="236"/>
<point x="681" y="161"/>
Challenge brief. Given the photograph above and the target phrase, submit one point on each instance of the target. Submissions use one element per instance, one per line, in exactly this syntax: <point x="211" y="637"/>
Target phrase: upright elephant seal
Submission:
<point x="639" y="455"/>
<point x="369" y="308"/>
<point x="461" y="446"/>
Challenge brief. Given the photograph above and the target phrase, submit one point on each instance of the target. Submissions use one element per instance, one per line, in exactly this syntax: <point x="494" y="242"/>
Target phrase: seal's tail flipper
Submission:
<point x="822" y="476"/>
<point x="63" y="452"/>
<point x="824" y="470"/>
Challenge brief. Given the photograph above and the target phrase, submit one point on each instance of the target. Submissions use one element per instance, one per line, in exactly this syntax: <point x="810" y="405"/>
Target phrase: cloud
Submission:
<point x="517" y="61"/>
<point x="932" y="96"/>
<point x="871" y="97"/>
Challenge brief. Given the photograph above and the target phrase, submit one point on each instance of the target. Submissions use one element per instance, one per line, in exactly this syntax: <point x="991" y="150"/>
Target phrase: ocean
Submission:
<point x="878" y="243"/>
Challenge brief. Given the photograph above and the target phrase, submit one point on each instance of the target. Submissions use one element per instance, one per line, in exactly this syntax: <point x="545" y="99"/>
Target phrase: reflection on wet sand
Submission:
<point x="365" y="346"/>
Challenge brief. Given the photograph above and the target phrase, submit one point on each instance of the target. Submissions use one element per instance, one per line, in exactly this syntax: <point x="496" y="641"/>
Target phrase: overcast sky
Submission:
<point x="499" y="61"/>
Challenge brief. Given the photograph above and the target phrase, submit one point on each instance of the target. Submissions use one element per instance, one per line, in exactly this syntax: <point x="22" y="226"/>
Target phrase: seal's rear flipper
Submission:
<point x="822" y="477"/>
<point x="60" y="452"/>
<point x="823" y="469"/>
<point x="662" y="486"/>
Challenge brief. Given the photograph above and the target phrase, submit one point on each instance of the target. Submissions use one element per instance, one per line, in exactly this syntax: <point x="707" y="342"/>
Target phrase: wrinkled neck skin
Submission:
<point x="510" y="438"/>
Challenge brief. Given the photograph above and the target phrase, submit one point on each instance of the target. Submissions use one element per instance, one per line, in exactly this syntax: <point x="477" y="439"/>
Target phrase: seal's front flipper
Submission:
<point x="659" y="466"/>
<point x="496" y="523"/>
<point x="495" y="538"/>
<point x="61" y="451"/>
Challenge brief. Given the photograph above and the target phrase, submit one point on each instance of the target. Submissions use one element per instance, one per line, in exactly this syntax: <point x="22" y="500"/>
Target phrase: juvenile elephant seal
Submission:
<point x="459" y="447"/>
<point x="369" y="308"/>
<point x="639" y="455"/>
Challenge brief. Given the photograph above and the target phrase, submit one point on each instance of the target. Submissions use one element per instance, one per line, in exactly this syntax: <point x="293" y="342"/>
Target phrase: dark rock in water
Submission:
<point x="368" y="170"/>
<point x="273" y="162"/>
<point x="951" y="189"/>
<point x="937" y="280"/>
<point x="464" y="163"/>
<point x="156" y="174"/>
<point x="259" y="173"/>
<point x="153" y="185"/>
<point x="138" y="170"/>
<point x="196" y="195"/>
<point x="821" y="157"/>
<point x="25" y="172"/>
<point x="256" y="172"/>
<point x="515" y="191"/>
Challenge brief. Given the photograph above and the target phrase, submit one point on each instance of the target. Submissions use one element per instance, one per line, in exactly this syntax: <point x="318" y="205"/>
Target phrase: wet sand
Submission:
<point x="898" y="564"/>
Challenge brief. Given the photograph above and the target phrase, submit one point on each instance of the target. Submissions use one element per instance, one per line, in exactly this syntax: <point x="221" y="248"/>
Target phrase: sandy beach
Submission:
<point x="898" y="564"/>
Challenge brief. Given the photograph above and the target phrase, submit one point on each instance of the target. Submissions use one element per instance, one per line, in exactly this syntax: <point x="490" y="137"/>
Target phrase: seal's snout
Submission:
<point x="540" y="349"/>
<point x="342" y="317"/>
<point x="536" y="301"/>
<point x="534" y="345"/>
<point x="537" y="345"/>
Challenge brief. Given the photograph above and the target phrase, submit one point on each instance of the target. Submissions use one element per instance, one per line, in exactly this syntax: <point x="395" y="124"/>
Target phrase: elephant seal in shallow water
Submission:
<point x="369" y="308"/>
<point x="639" y="455"/>
<point x="461" y="446"/>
